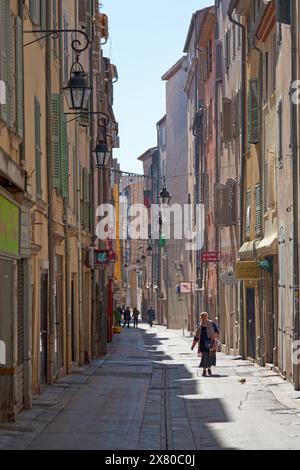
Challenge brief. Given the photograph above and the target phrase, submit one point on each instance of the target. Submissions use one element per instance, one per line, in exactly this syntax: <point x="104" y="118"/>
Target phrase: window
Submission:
<point x="280" y="135"/>
<point x="257" y="209"/>
<point x="254" y="112"/>
<point x="37" y="139"/>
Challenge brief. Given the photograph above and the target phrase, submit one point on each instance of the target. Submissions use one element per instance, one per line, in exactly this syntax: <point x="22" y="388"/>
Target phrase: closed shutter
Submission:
<point x="280" y="135"/>
<point x="20" y="296"/>
<point x="219" y="61"/>
<point x="205" y="130"/>
<point x="235" y="114"/>
<point x="203" y="66"/>
<point x="248" y="214"/>
<point x="64" y="151"/>
<point x="232" y="201"/>
<point x="86" y="196"/>
<point x="37" y="133"/>
<point x="43" y="18"/>
<point x="11" y="92"/>
<point x="55" y="141"/>
<point x="271" y="181"/>
<point x="257" y="209"/>
<point x="82" y="12"/>
<point x="254" y="110"/>
<point x="19" y="77"/>
<point x="3" y="53"/>
<point x="35" y="11"/>
<point x="227" y="119"/>
<point x="221" y="206"/>
<point x="89" y="24"/>
<point x="81" y="189"/>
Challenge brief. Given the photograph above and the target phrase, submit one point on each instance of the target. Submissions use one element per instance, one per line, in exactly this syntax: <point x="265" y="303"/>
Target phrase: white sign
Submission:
<point x="2" y="353"/>
<point x="2" y="92"/>
<point x="185" y="288"/>
<point x="229" y="278"/>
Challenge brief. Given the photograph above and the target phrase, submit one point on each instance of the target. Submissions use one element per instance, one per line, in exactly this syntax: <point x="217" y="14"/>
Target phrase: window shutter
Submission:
<point x="234" y="116"/>
<point x="203" y="66"/>
<point x="43" y="14"/>
<point x="226" y="60"/>
<point x="257" y="209"/>
<point x="37" y="128"/>
<point x="280" y="135"/>
<point x="89" y="25"/>
<point x="10" y="42"/>
<point x="205" y="131"/>
<point x="232" y="201"/>
<point x="64" y="152"/>
<point x="254" y="109"/>
<point x="219" y="61"/>
<point x="82" y="12"/>
<point x="221" y="206"/>
<point x="86" y="198"/>
<point x="283" y="11"/>
<point x="55" y="141"/>
<point x="34" y="11"/>
<point x="19" y="77"/>
<point x="227" y="119"/>
<point x="271" y="180"/>
<point x="248" y="213"/>
<point x="3" y="54"/>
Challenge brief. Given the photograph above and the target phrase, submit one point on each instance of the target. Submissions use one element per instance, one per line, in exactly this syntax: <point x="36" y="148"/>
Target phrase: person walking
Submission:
<point x="151" y="316"/>
<point x="206" y="336"/>
<point x="126" y="317"/>
<point x="135" y="315"/>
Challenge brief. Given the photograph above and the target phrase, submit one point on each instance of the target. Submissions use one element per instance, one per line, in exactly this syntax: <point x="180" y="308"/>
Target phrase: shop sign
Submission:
<point x="211" y="257"/>
<point x="247" y="270"/>
<point x="9" y="227"/>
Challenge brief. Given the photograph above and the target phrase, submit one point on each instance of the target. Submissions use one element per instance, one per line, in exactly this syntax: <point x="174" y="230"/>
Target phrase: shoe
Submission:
<point x="209" y="372"/>
<point x="204" y="373"/>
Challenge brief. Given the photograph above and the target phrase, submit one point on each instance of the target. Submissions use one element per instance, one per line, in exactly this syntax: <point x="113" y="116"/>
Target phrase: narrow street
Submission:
<point x="148" y="394"/>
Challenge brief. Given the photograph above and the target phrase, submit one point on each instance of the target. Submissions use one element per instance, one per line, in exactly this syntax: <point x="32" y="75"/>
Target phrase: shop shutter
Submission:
<point x="64" y="152"/>
<point x="254" y="110"/>
<point x="3" y="53"/>
<point x="19" y="77"/>
<point x="55" y="141"/>
<point x="257" y="209"/>
<point x="37" y="133"/>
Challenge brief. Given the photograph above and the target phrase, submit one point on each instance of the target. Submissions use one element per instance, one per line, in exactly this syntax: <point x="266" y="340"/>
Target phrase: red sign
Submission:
<point x="211" y="257"/>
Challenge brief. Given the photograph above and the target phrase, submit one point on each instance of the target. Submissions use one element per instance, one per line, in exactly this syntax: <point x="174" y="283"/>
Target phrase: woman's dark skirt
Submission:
<point x="208" y="360"/>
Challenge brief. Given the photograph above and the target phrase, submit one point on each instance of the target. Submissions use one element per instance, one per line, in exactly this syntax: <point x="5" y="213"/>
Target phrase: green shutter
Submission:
<point x="19" y="77"/>
<point x="64" y="153"/>
<point x="43" y="14"/>
<point x="55" y="141"/>
<point x="3" y="53"/>
<point x="37" y="128"/>
<point x="257" y="209"/>
<point x="254" y="111"/>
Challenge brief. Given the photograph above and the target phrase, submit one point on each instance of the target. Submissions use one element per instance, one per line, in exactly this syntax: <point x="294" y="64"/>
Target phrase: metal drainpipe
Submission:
<point x="217" y="170"/>
<point x="66" y="231"/>
<point x="51" y="244"/>
<point x="294" y="59"/>
<point x="261" y="172"/>
<point x="242" y="182"/>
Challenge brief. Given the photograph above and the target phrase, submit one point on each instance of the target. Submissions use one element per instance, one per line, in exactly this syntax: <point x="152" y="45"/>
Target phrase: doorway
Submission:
<point x="251" y="335"/>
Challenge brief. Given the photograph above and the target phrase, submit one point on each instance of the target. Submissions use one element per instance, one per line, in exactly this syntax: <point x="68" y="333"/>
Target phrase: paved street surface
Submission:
<point x="148" y="393"/>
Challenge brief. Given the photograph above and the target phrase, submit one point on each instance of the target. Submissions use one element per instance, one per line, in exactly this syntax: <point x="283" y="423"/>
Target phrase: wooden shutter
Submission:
<point x="64" y="151"/>
<point x="221" y="206"/>
<point x="55" y="141"/>
<point x="43" y="18"/>
<point x="232" y="201"/>
<point x="271" y="180"/>
<point x="11" y="92"/>
<point x="280" y="135"/>
<point x="19" y="77"/>
<point x="3" y="54"/>
<point x="248" y="213"/>
<point x="35" y="11"/>
<point x="227" y="119"/>
<point x="234" y="117"/>
<point x="257" y="209"/>
<point x="37" y="138"/>
<point x="82" y="12"/>
<point x="219" y="61"/>
<point x="254" y="110"/>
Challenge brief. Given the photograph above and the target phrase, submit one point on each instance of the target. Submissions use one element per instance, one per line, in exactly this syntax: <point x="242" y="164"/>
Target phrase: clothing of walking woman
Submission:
<point x="206" y="335"/>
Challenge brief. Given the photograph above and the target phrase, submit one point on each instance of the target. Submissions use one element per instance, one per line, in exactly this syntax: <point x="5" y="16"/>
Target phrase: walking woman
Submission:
<point x="206" y="336"/>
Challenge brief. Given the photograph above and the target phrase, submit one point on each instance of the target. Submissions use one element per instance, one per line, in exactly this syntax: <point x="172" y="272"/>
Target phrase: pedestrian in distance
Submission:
<point x="135" y="315"/>
<point x="206" y="336"/>
<point x="127" y="317"/>
<point x="151" y="316"/>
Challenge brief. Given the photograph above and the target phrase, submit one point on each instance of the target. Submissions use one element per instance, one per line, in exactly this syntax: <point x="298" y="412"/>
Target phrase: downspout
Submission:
<point x="217" y="161"/>
<point x="66" y="231"/>
<point x="294" y="136"/>
<point x="243" y="160"/>
<point x="261" y="156"/>
<point x="51" y="243"/>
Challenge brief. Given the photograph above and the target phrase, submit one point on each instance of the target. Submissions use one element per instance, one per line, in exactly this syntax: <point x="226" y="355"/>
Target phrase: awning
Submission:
<point x="268" y="246"/>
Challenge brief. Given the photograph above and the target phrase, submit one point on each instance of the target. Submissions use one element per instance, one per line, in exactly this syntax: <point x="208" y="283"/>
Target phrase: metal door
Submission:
<point x="43" y="328"/>
<point x="251" y="336"/>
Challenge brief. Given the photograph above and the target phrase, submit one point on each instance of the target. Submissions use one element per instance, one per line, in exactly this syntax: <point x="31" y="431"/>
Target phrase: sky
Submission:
<point x="147" y="37"/>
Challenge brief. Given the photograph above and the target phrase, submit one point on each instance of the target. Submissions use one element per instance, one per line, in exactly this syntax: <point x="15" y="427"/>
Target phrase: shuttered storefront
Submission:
<point x="20" y="338"/>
